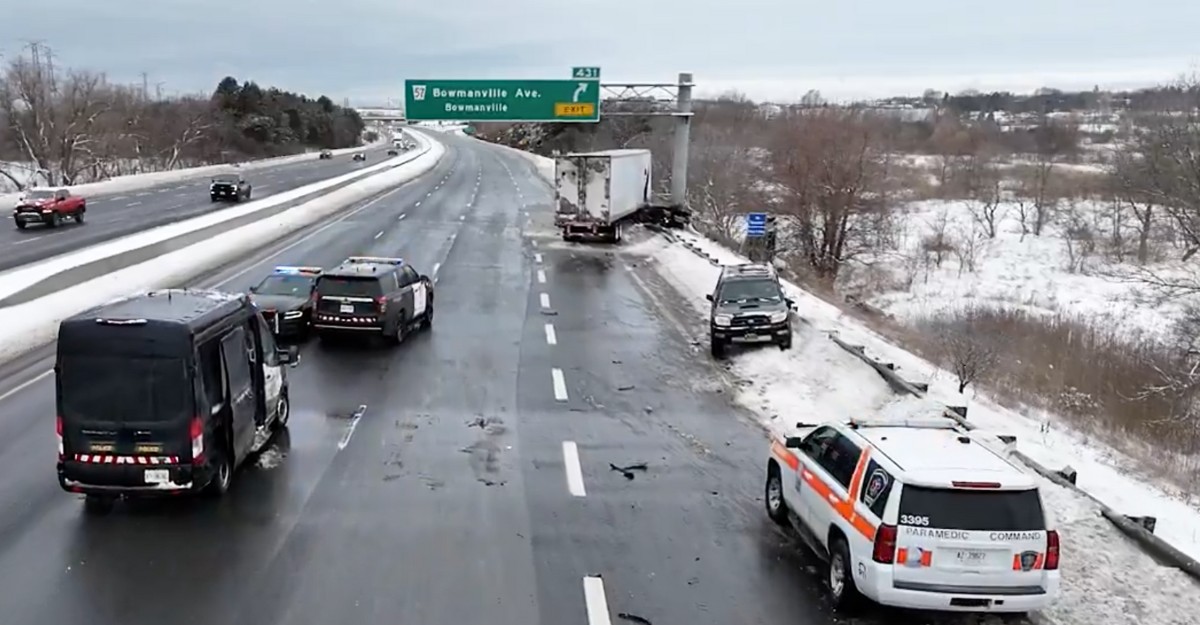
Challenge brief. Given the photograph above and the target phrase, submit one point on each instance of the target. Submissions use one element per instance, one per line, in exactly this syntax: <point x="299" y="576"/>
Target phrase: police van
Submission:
<point x="915" y="514"/>
<point x="165" y="393"/>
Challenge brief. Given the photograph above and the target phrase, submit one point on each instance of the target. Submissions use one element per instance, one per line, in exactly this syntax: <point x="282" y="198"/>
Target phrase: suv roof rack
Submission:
<point x="375" y="260"/>
<point x="924" y="423"/>
<point x="750" y="269"/>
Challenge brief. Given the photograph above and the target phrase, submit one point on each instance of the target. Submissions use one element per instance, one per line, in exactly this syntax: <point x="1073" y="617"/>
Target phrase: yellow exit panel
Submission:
<point x="574" y="109"/>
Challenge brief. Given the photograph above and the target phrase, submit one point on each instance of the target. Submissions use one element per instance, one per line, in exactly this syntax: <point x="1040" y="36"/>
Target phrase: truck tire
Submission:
<point x="21" y="225"/>
<point x="79" y="216"/>
<point x="718" y="348"/>
<point x="55" y="220"/>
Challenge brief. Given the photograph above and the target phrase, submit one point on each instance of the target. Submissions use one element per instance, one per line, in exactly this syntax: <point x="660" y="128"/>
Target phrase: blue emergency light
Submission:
<point x="295" y="271"/>
<point x="376" y="259"/>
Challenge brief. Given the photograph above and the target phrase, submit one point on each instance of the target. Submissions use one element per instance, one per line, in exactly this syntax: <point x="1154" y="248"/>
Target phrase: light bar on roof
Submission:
<point x="382" y="260"/>
<point x="291" y="270"/>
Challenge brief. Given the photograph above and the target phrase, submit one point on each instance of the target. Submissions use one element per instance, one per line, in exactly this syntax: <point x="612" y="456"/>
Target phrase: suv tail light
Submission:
<point x="58" y="426"/>
<point x="196" y="431"/>
<point x="885" y="544"/>
<point x="381" y="304"/>
<point x="1051" y="550"/>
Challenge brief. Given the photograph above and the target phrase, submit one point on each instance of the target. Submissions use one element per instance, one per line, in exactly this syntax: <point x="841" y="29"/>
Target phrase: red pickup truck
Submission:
<point x="49" y="207"/>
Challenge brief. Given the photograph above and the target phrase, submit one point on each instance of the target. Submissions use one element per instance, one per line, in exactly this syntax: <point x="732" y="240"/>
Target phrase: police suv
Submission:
<point x="915" y="514"/>
<point x="286" y="298"/>
<point x="373" y="295"/>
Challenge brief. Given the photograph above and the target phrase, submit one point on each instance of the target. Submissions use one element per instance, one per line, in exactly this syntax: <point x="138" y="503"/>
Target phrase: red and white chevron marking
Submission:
<point x="111" y="459"/>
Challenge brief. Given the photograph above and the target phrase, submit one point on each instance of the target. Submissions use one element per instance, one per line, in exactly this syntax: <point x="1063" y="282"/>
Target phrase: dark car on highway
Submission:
<point x="748" y="306"/>
<point x="285" y="298"/>
<point x="325" y="155"/>
<point x="360" y="157"/>
<point x="373" y="296"/>
<point x="229" y="187"/>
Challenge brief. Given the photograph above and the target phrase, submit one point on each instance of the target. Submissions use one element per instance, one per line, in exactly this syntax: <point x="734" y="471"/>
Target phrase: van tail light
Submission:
<point x="1051" y="550"/>
<point x="885" y="544"/>
<point x="196" y="431"/>
<point x="58" y="426"/>
<point x="381" y="304"/>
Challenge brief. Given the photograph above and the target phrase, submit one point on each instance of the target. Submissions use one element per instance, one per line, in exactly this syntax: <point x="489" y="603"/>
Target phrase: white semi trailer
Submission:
<point x="599" y="192"/>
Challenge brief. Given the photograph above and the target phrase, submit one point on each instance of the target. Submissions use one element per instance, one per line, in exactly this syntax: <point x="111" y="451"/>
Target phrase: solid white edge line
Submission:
<point x="560" y="384"/>
<point x="574" y="469"/>
<point x="541" y="276"/>
<point x="545" y="300"/>
<point x="436" y="266"/>
<point x="26" y="384"/>
<point x="551" y="335"/>
<point x="537" y="258"/>
<point x="596" y="602"/>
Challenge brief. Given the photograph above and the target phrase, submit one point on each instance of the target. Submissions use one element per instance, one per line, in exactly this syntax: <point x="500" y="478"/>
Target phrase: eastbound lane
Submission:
<point x="114" y="215"/>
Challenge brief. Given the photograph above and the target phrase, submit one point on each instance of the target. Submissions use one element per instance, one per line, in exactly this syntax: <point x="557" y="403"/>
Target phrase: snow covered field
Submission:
<point x="1032" y="273"/>
<point x="1107" y="577"/>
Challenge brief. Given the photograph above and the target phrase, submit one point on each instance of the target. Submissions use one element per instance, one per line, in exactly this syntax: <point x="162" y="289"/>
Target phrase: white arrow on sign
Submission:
<point x="579" y="91"/>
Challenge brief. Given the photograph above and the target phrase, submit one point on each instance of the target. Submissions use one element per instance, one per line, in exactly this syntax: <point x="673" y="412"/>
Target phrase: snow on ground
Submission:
<point x="122" y="184"/>
<point x="1031" y="273"/>
<point x="1107" y="577"/>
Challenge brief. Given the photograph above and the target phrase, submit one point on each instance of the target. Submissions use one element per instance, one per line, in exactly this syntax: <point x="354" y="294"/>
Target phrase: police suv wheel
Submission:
<point x="777" y="508"/>
<point x="284" y="411"/>
<point x="842" y="591"/>
<point x="427" y="323"/>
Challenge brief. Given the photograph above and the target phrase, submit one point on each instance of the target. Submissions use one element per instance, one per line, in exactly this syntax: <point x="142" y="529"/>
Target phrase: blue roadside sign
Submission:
<point x="756" y="224"/>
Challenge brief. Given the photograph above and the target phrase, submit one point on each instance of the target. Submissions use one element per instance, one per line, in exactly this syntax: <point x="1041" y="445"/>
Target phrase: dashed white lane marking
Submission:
<point x="417" y="204"/>
<point x="533" y="243"/>
<point x="429" y="194"/>
<point x="143" y="194"/>
<point x="597" y="603"/>
<point x="551" y="335"/>
<point x="537" y="258"/>
<point x="574" y="469"/>
<point x="436" y="266"/>
<point x="545" y="297"/>
<point x="462" y="217"/>
<point x="379" y="234"/>
<point x="402" y="216"/>
<point x="354" y="419"/>
<point x="119" y="197"/>
<point x="541" y="275"/>
<point x="26" y="384"/>
<point x="134" y="204"/>
<point x="560" y="384"/>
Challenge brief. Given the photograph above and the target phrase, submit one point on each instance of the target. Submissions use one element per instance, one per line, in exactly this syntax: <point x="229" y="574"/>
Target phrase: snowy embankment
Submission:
<point x="25" y="326"/>
<point x="1107" y="578"/>
<point x="133" y="182"/>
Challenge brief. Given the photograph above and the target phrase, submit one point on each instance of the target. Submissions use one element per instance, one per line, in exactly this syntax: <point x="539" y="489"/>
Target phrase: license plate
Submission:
<point x="157" y="476"/>
<point x="347" y="308"/>
<point x="970" y="557"/>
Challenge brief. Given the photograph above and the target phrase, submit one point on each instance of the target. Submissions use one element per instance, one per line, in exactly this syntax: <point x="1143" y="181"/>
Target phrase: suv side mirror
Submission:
<point x="254" y="289"/>
<point x="289" y="356"/>
<point x="425" y="278"/>
<point x="708" y="297"/>
<point x="791" y="303"/>
<point x="794" y="442"/>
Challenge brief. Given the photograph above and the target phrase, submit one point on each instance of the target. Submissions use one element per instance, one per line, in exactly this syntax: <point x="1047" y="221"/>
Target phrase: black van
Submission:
<point x="165" y="393"/>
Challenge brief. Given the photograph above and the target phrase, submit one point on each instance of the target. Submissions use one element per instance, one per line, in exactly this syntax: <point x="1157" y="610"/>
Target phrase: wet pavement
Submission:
<point x="554" y="426"/>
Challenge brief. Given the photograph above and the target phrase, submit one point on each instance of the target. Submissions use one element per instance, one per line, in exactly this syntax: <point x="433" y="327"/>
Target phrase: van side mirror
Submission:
<point x="289" y="356"/>
<point x="794" y="442"/>
<point x="708" y="297"/>
<point x="254" y="289"/>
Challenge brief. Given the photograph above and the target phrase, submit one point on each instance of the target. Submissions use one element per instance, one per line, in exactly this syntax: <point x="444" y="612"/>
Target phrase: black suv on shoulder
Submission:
<point x="373" y="295"/>
<point x="229" y="187"/>
<point x="748" y="306"/>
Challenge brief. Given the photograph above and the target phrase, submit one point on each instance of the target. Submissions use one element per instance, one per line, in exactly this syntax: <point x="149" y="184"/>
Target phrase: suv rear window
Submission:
<point x="979" y="510"/>
<point x="343" y="286"/>
<point x="750" y="291"/>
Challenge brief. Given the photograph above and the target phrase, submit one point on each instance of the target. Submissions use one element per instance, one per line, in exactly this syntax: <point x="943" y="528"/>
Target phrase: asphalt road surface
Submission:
<point x="475" y="488"/>
<point x="119" y="214"/>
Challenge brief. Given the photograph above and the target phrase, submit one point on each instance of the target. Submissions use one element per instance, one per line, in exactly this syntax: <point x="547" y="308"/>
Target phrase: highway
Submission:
<point x="476" y="488"/>
<point x="119" y="214"/>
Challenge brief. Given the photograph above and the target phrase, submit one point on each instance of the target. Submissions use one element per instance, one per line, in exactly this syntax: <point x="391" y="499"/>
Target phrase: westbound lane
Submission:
<point x="114" y="215"/>
<point x="150" y="560"/>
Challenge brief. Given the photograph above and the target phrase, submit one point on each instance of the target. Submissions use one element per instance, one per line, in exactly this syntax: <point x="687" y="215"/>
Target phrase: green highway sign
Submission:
<point x="585" y="73"/>
<point x="503" y="100"/>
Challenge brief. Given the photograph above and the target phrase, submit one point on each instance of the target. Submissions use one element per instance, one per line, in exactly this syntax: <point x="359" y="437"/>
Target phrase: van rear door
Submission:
<point x="981" y="539"/>
<point x="125" y="410"/>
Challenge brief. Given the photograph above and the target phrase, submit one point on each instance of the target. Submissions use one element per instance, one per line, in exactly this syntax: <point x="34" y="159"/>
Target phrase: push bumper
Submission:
<point x="765" y="333"/>
<point x="284" y="326"/>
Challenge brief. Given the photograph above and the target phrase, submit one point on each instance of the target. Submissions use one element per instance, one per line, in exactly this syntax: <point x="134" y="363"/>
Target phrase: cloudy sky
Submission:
<point x="769" y="49"/>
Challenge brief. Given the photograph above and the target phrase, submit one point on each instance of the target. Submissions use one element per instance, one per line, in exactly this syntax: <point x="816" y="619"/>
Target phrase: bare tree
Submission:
<point x="1053" y="140"/>
<point x="938" y="244"/>
<point x="969" y="242"/>
<point x="1079" y="240"/>
<point x="970" y="356"/>
<point x="1131" y="183"/>
<point x="985" y="197"/>
<point x="831" y="171"/>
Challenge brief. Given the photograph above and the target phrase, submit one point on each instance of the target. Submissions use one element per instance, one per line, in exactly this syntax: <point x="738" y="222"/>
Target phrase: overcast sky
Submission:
<point x="769" y="49"/>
